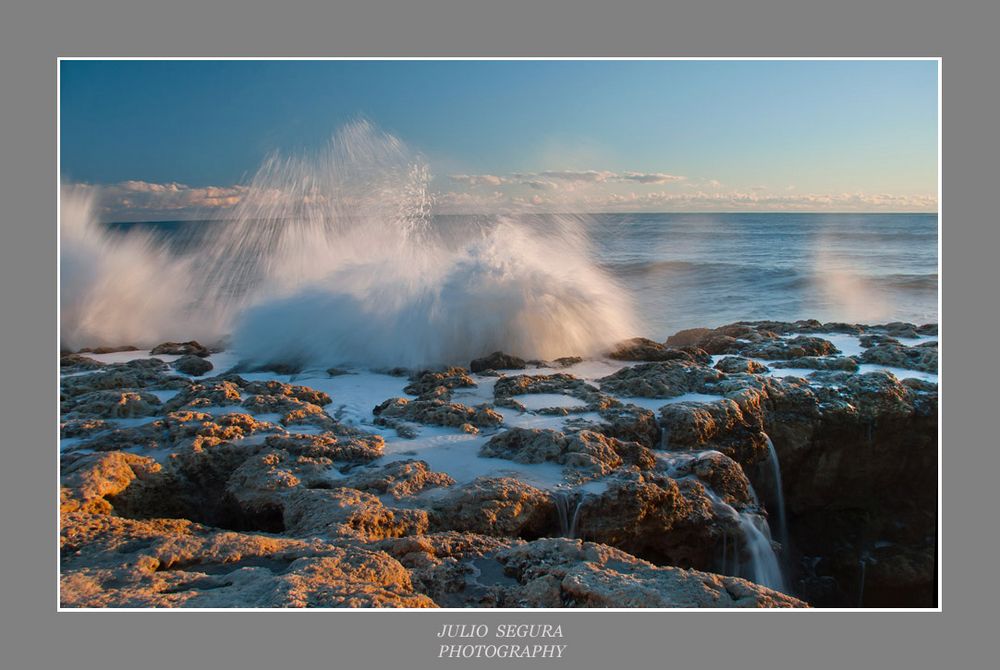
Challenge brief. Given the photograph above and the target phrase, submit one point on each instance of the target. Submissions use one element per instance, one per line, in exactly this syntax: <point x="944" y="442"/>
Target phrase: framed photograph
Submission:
<point x="499" y="334"/>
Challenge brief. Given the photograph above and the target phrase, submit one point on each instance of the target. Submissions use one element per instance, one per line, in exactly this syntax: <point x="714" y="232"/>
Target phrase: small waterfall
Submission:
<point x="561" y="499"/>
<point x="568" y="523"/>
<point x="750" y="552"/>
<point x="762" y="564"/>
<point x="779" y="495"/>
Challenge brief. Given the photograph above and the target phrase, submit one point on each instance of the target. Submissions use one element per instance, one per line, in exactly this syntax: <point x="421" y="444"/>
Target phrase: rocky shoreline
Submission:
<point x="694" y="472"/>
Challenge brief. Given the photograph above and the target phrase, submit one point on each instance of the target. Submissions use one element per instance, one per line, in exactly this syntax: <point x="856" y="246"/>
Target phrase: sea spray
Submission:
<point x="122" y="289"/>
<point x="339" y="257"/>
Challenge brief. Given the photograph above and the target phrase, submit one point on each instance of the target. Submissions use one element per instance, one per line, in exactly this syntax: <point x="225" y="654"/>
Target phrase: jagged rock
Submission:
<point x="501" y="506"/>
<point x="688" y="337"/>
<point x="78" y="363"/>
<point x="109" y="561"/>
<point x="108" y="350"/>
<point x="629" y="423"/>
<point x="348" y="513"/>
<point x="191" y="348"/>
<point x="88" y="481"/>
<point x="559" y="572"/>
<point x="723" y="425"/>
<point x="145" y="373"/>
<point x="82" y="427"/>
<point x="395" y="412"/>
<point x="834" y="363"/>
<point x="795" y="347"/>
<point x="398" y="479"/>
<point x="112" y="404"/>
<point x="737" y="364"/>
<point x="209" y="393"/>
<point x="497" y="361"/>
<point x="922" y="357"/>
<point x="653" y="516"/>
<point x="642" y="349"/>
<point x="192" y="365"/>
<point x="722" y="474"/>
<point x="665" y="379"/>
<point x="585" y="454"/>
<point x="429" y="384"/>
<point x="355" y="448"/>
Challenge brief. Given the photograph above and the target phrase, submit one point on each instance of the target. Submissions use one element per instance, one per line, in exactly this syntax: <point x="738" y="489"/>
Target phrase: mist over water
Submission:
<point x="337" y="257"/>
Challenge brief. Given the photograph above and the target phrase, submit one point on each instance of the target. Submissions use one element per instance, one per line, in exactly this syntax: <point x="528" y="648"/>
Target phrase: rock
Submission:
<point x="82" y="427"/>
<point x="191" y="348"/>
<point x="724" y="425"/>
<point x="109" y="561"/>
<point x="560" y="572"/>
<point x="88" y="481"/>
<point x="394" y="412"/>
<point x="629" y="423"/>
<point x="398" y="479"/>
<point x="144" y="374"/>
<point x="428" y="385"/>
<point x="349" y="513"/>
<point x="722" y="474"/>
<point x="655" y="517"/>
<point x="585" y="454"/>
<point x="819" y="363"/>
<point x="78" y="363"/>
<point x="497" y="361"/>
<point x="737" y="364"/>
<point x="795" y="347"/>
<point x="108" y="350"/>
<point x="689" y="337"/>
<point x="192" y="365"/>
<point x="922" y="357"/>
<point x="125" y="404"/>
<point x="500" y="506"/>
<point x="665" y="379"/>
<point x="642" y="349"/>
<point x="362" y="448"/>
<point x="566" y="361"/>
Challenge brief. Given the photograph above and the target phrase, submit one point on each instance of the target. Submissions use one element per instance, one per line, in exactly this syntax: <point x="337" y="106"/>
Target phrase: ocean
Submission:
<point x="691" y="270"/>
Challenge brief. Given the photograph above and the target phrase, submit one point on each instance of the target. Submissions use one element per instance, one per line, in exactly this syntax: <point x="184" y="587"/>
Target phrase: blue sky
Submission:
<point x="175" y="138"/>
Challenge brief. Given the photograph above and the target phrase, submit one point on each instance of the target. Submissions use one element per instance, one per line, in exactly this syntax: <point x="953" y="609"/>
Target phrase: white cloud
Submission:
<point x="651" y="177"/>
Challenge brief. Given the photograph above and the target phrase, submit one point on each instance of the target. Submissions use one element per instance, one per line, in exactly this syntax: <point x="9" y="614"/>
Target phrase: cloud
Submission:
<point x="651" y="177"/>
<point x="479" y="179"/>
<point x="136" y="198"/>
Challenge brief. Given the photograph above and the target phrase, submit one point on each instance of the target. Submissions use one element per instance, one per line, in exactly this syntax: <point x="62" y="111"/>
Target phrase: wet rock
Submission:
<point x="145" y="374"/>
<point x="112" y="405"/>
<point x="737" y="364"/>
<point x="429" y="384"/>
<point x="725" y="425"/>
<point x="722" y="474"/>
<point x="585" y="454"/>
<point x="689" y="337"/>
<point x="78" y="363"/>
<point x="655" y="517"/>
<point x="108" y="350"/>
<point x="192" y="365"/>
<point x="795" y="347"/>
<point x="395" y="412"/>
<point x="500" y="506"/>
<point x="665" y="379"/>
<point x="191" y="348"/>
<point x="629" y="423"/>
<point x="560" y="572"/>
<point x="819" y="363"/>
<point x="357" y="448"/>
<point x="642" y="349"/>
<point x="497" y="361"/>
<point x="921" y="357"/>
<point x="398" y="479"/>
<point x="82" y="427"/>
<point x="566" y="361"/>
